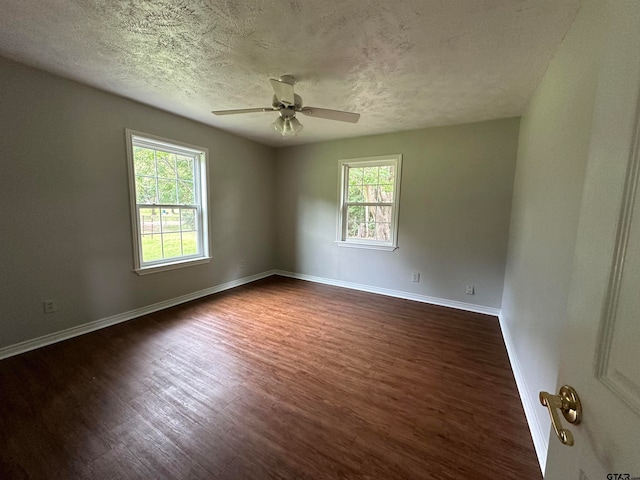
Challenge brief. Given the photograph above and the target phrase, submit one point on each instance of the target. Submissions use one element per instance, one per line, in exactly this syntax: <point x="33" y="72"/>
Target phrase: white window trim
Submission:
<point x="203" y="221"/>
<point x="341" y="240"/>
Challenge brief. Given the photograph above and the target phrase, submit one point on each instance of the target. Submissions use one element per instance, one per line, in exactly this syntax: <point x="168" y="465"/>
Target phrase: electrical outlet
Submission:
<point x="242" y="263"/>
<point x="49" y="306"/>
<point x="471" y="290"/>
<point x="415" y="277"/>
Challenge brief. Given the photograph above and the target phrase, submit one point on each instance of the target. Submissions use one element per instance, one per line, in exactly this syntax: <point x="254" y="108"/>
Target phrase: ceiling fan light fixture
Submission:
<point x="296" y="126"/>
<point x="279" y="125"/>
<point x="287" y="127"/>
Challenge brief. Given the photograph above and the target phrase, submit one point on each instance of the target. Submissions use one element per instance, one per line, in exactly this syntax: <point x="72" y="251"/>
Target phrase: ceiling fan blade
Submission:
<point x="283" y="91"/>
<point x="331" y="114"/>
<point x="243" y="110"/>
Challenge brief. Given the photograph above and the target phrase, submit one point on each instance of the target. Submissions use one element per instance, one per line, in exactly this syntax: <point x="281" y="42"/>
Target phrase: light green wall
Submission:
<point x="552" y="154"/>
<point x="454" y="211"/>
<point x="66" y="231"/>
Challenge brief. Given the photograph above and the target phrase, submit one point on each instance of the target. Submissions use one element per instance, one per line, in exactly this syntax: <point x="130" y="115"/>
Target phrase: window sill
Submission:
<point x="171" y="266"/>
<point x="366" y="246"/>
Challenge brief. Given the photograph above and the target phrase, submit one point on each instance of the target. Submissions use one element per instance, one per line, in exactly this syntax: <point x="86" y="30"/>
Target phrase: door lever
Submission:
<point x="568" y="402"/>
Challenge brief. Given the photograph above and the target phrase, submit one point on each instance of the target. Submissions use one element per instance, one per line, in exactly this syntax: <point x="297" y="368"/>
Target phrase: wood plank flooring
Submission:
<point x="279" y="379"/>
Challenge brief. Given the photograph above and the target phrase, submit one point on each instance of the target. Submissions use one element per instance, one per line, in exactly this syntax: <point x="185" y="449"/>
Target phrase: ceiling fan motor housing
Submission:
<point x="287" y="111"/>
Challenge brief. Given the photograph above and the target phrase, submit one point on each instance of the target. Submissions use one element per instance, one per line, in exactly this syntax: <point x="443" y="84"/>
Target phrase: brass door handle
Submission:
<point x="568" y="402"/>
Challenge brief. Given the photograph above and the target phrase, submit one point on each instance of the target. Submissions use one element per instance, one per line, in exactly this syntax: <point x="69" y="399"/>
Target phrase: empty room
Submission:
<point x="319" y="240"/>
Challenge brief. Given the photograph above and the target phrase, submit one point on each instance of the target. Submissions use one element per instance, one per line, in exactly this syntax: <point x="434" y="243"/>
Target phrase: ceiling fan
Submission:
<point x="288" y="104"/>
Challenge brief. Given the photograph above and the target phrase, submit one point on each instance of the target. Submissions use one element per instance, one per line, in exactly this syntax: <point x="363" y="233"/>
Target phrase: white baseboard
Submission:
<point x="540" y="440"/>
<point x="470" y="307"/>
<point x="32" y="344"/>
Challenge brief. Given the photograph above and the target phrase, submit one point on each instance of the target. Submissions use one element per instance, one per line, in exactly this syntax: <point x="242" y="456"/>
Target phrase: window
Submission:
<point x="168" y="193"/>
<point x="369" y="193"/>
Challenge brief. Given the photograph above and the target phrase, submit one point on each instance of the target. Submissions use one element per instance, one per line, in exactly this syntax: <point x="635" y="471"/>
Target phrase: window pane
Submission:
<point x="370" y="231"/>
<point x="370" y="175"/>
<point x="372" y="193"/>
<point x="166" y="164"/>
<point x="170" y="220"/>
<point x="167" y="191"/>
<point x="382" y="214"/>
<point x="355" y="221"/>
<point x="171" y="245"/>
<point x="189" y="243"/>
<point x="184" y="167"/>
<point x="386" y="193"/>
<point x="151" y="247"/>
<point x="188" y="219"/>
<point x="150" y="221"/>
<point x="383" y="232"/>
<point x="146" y="190"/>
<point x="186" y="193"/>
<point x="355" y="194"/>
<point x="355" y="176"/>
<point x="386" y="174"/>
<point x="144" y="161"/>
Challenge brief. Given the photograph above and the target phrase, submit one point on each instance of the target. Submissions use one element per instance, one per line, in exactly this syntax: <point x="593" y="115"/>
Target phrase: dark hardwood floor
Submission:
<point x="279" y="379"/>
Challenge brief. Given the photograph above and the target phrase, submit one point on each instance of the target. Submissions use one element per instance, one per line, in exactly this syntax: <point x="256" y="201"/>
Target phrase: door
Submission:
<point x="601" y="348"/>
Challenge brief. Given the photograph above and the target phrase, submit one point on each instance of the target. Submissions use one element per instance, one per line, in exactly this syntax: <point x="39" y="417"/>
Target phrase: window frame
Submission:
<point x="394" y="160"/>
<point x="201" y="191"/>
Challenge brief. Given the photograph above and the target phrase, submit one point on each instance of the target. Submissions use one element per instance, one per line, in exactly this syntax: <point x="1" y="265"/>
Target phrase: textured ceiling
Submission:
<point x="402" y="64"/>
